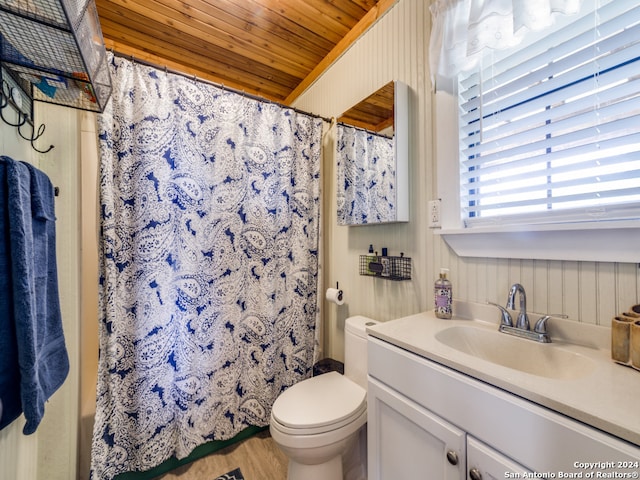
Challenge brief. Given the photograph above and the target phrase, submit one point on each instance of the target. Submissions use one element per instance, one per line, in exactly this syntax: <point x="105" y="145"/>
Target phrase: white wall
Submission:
<point x="50" y="453"/>
<point x="395" y="48"/>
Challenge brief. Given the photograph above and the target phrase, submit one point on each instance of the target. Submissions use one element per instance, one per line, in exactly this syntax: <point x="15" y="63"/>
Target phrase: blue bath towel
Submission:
<point x="9" y="367"/>
<point x="42" y="354"/>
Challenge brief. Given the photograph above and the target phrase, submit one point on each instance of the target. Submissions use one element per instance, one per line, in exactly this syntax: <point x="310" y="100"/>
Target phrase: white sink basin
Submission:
<point x="542" y="359"/>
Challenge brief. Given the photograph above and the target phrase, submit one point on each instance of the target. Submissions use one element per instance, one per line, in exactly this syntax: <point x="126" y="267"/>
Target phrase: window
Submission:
<point x="550" y="133"/>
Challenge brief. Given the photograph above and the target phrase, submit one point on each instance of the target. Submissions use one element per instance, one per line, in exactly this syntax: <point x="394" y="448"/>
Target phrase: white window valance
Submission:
<point x="463" y="29"/>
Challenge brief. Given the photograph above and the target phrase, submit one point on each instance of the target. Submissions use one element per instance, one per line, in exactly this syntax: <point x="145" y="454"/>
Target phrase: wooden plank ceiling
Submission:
<point x="374" y="113"/>
<point x="273" y="49"/>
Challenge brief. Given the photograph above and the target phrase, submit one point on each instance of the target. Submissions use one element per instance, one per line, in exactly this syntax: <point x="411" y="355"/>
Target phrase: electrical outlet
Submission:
<point x="434" y="213"/>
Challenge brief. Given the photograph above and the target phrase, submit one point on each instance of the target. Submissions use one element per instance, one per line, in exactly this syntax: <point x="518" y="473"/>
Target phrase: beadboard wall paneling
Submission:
<point x="396" y="48"/>
<point x="393" y="49"/>
<point x="57" y="457"/>
<point x="89" y="275"/>
<point x="50" y="453"/>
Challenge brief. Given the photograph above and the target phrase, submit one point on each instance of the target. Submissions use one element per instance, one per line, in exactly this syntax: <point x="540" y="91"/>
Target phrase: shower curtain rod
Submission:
<point x="378" y="134"/>
<point x="215" y="84"/>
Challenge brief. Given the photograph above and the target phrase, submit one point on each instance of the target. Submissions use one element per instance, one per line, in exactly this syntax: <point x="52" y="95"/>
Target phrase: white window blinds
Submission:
<point x="551" y="132"/>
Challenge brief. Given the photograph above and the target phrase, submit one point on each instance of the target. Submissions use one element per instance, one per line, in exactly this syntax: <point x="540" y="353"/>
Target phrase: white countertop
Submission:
<point x="608" y="398"/>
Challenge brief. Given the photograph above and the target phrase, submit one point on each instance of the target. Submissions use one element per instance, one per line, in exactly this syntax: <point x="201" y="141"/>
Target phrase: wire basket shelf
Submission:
<point x="56" y="47"/>
<point x="389" y="268"/>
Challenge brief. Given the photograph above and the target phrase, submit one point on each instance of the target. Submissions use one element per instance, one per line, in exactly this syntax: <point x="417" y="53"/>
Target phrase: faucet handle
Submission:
<point x="541" y="324"/>
<point x="506" y="316"/>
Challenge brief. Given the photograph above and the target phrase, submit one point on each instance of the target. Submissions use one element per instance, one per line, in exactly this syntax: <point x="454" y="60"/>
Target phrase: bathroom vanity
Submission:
<point x="443" y="404"/>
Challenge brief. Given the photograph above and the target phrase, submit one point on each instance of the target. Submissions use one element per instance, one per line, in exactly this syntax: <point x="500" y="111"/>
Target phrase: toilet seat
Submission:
<point x="319" y="404"/>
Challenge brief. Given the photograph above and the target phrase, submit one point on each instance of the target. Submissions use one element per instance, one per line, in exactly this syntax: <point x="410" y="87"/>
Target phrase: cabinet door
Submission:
<point x="484" y="463"/>
<point x="406" y="441"/>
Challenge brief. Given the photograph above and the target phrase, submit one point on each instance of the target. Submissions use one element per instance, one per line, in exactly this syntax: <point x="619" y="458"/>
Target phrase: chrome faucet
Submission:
<point x="522" y="327"/>
<point x="523" y="318"/>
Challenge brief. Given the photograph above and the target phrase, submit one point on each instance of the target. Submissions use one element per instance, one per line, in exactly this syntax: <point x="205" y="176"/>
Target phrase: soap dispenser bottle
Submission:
<point x="371" y="259"/>
<point x="443" y="295"/>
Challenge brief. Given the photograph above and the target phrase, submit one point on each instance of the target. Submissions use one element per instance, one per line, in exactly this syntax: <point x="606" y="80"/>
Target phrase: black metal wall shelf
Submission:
<point x="56" y="48"/>
<point x="389" y="268"/>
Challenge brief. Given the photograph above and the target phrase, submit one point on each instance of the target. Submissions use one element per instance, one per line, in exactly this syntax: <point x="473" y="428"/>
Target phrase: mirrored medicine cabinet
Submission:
<point x="372" y="158"/>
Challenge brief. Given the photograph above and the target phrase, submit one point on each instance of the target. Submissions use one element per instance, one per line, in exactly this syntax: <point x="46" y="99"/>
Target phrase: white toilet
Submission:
<point x="319" y="423"/>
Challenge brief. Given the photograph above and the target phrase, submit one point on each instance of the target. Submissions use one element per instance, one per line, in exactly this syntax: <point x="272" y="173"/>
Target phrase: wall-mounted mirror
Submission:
<point x="372" y="158"/>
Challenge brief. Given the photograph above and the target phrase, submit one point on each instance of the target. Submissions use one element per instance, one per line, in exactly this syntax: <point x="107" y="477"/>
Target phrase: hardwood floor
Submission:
<point x="258" y="457"/>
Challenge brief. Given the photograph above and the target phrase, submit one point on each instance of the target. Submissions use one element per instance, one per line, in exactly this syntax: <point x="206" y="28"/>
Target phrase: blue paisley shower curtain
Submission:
<point x="209" y="264"/>
<point x="366" y="177"/>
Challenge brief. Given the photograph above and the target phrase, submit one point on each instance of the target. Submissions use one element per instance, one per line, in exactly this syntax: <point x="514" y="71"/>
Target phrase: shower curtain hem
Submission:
<point x="197" y="453"/>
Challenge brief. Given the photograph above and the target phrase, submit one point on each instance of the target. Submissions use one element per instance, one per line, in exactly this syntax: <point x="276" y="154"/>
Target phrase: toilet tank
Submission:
<point x="355" y="348"/>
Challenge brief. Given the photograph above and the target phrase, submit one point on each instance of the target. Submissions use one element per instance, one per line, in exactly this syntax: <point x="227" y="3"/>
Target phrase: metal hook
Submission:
<point x="5" y="99"/>
<point x="34" y="136"/>
<point x="20" y="115"/>
<point x="5" y="83"/>
<point x="5" y="103"/>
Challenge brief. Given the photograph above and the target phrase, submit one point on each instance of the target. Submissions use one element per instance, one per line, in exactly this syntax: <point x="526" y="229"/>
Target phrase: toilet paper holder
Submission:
<point x="335" y="295"/>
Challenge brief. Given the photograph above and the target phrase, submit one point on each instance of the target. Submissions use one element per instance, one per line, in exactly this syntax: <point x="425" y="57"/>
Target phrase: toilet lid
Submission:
<point x="318" y="401"/>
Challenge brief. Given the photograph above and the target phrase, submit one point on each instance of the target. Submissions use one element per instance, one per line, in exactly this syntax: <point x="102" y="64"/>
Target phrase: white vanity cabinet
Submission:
<point x="421" y="413"/>
<point x="407" y="441"/>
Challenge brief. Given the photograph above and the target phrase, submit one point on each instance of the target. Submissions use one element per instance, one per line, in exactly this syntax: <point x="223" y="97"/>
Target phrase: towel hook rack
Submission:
<point x="34" y="136"/>
<point x="7" y="93"/>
